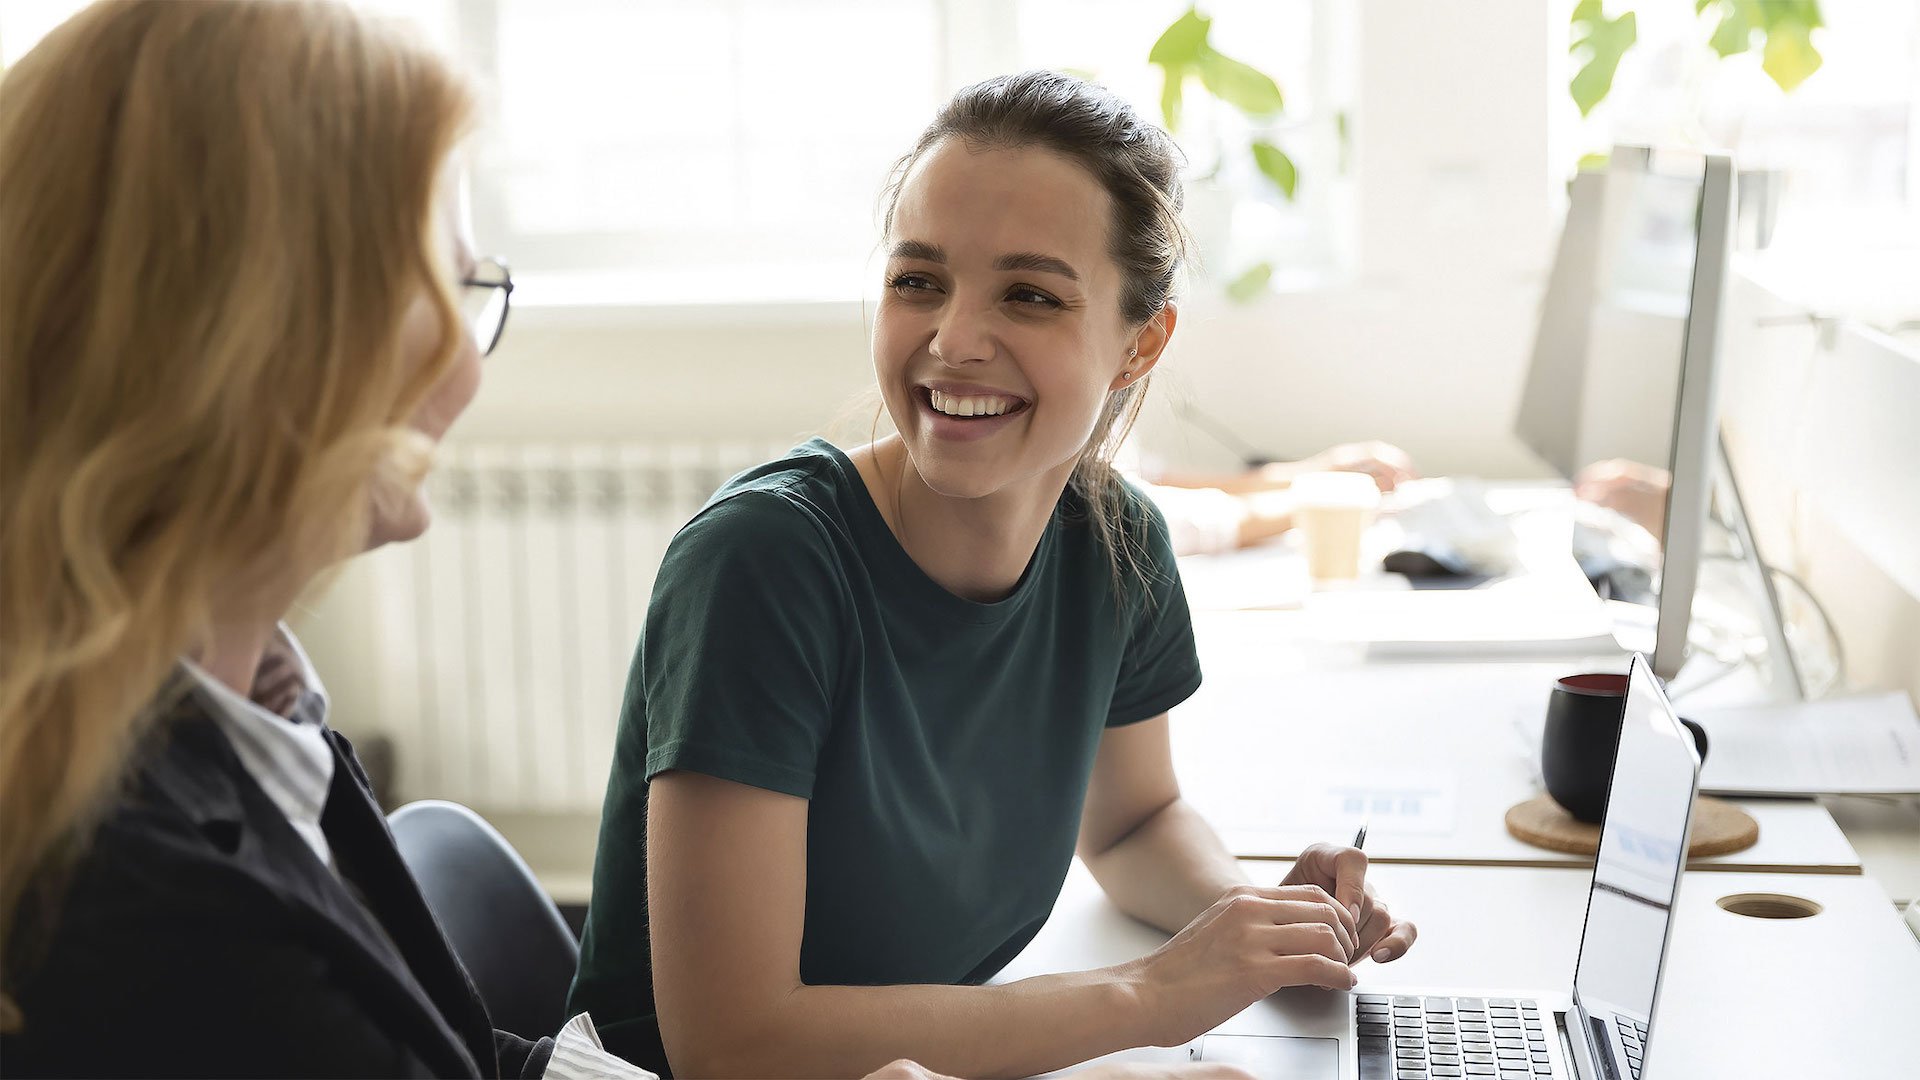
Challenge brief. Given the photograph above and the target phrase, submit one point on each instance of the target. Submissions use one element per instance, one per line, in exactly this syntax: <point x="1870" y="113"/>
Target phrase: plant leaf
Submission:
<point x="1789" y="56"/>
<point x="1276" y="166"/>
<point x="1603" y="41"/>
<point x="1735" y="32"/>
<point x="1180" y="44"/>
<point x="1172" y="79"/>
<point x="1592" y="162"/>
<point x="1244" y="87"/>
<point x="1251" y="283"/>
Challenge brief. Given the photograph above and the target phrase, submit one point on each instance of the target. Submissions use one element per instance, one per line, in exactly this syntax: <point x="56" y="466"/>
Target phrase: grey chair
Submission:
<point x="501" y="923"/>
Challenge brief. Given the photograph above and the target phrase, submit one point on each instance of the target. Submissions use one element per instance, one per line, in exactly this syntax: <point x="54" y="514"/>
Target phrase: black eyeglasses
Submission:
<point x="484" y="304"/>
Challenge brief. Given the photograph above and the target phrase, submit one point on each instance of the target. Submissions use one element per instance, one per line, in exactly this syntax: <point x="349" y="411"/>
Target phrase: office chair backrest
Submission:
<point x="502" y="924"/>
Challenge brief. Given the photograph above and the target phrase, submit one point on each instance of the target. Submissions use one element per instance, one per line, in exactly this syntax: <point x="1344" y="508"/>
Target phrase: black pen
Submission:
<point x="1360" y="838"/>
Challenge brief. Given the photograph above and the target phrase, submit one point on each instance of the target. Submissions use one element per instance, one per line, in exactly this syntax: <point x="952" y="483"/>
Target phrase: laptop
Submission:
<point x="1601" y="1030"/>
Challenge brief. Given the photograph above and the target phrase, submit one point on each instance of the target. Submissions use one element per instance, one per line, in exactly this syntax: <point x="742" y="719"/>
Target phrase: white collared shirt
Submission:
<point x="288" y="756"/>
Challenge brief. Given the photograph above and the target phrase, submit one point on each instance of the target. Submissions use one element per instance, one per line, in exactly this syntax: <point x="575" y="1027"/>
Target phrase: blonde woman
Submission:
<point x="236" y="312"/>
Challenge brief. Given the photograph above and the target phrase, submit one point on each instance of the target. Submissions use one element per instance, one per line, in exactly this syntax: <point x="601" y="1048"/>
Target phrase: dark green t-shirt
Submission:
<point x="944" y="744"/>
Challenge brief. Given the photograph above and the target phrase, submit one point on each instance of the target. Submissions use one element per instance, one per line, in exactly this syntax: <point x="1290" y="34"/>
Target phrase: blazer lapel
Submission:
<point x="202" y="774"/>
<point x="366" y="850"/>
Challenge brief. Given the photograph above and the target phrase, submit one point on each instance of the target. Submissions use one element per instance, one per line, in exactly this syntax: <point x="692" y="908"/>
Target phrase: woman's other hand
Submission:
<point x="1389" y="465"/>
<point x="1343" y="872"/>
<point x="1251" y="942"/>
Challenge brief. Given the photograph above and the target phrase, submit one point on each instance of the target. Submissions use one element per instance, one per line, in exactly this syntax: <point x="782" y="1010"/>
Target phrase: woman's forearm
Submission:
<point x="1033" y="1026"/>
<point x="1168" y="870"/>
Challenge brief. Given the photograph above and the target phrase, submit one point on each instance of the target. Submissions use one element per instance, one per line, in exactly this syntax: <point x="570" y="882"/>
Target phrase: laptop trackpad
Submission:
<point x="1275" y="1057"/>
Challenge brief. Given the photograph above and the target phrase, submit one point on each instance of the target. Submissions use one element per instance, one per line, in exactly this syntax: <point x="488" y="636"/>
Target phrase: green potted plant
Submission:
<point x="1191" y="67"/>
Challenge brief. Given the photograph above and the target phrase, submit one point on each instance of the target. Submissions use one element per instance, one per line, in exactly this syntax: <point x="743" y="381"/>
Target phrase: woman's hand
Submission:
<point x="1389" y="465"/>
<point x="1343" y="871"/>
<point x="1251" y="942"/>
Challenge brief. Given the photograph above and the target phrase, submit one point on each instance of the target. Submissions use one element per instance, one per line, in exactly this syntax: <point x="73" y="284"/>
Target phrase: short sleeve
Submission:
<point x="734" y="676"/>
<point x="1160" y="666"/>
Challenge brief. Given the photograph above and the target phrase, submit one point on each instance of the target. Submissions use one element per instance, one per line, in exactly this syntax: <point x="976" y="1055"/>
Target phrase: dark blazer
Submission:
<point x="197" y="935"/>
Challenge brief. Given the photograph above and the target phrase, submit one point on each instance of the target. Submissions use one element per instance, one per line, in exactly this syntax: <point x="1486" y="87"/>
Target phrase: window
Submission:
<point x="734" y="151"/>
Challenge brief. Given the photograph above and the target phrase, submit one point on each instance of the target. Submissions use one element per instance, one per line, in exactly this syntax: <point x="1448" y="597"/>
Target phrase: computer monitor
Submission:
<point x="1625" y="362"/>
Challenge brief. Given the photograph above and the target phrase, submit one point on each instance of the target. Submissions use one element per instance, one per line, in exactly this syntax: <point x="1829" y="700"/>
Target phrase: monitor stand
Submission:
<point x="1784" y="672"/>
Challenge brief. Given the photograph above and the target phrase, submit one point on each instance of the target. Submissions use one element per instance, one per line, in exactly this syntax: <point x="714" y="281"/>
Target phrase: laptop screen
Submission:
<point x="1642" y="842"/>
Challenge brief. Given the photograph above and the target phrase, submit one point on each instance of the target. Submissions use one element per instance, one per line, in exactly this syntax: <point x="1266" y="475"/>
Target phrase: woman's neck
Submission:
<point x="232" y="651"/>
<point x="242" y="621"/>
<point x="973" y="548"/>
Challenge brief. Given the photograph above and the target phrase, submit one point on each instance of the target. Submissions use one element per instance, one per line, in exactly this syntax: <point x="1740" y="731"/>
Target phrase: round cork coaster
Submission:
<point x="1719" y="828"/>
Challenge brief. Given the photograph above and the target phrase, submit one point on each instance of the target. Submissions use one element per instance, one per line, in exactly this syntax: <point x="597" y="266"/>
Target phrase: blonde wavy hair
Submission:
<point x="214" y="216"/>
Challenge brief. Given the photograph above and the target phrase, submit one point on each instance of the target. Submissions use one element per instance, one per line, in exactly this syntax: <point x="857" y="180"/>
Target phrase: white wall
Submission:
<point x="1820" y="424"/>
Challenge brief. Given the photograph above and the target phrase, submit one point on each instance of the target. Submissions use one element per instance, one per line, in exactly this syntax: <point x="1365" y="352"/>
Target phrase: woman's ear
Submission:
<point x="1149" y="343"/>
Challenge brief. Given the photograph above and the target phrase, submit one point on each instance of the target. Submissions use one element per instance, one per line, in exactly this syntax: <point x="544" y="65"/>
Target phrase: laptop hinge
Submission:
<point x="1576" y="1041"/>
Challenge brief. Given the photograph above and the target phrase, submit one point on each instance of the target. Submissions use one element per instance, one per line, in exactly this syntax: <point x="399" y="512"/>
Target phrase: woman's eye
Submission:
<point x="910" y="282"/>
<point x="1023" y="294"/>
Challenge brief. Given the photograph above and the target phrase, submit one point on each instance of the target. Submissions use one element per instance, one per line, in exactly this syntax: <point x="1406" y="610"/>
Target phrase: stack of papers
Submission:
<point x="1862" y="745"/>
<point x="1489" y="622"/>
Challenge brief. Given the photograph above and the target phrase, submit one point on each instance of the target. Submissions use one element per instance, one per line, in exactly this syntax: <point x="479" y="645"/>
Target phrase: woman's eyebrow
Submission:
<point x="1033" y="260"/>
<point x="919" y="250"/>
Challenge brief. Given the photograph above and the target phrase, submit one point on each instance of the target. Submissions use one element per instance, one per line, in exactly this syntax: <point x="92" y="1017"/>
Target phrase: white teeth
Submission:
<point x="970" y="406"/>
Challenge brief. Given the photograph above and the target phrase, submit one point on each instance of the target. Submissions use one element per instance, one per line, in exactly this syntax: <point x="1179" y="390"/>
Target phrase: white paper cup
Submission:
<point x="1332" y="511"/>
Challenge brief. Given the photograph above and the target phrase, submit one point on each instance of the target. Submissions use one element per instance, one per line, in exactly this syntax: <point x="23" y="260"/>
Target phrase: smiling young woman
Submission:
<point x="883" y="697"/>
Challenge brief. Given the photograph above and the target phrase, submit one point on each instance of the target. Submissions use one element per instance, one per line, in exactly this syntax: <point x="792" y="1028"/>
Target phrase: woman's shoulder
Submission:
<point x="791" y="519"/>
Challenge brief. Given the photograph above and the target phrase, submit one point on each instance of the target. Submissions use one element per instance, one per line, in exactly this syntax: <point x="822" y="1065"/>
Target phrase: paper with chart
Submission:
<point x="1332" y="805"/>
<point x="1860" y="745"/>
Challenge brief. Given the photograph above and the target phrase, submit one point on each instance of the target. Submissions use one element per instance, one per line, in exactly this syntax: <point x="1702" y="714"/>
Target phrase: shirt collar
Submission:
<point x="286" y="752"/>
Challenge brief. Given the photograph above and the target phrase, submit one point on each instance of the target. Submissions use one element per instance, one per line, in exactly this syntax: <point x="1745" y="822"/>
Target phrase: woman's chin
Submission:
<point x="397" y="525"/>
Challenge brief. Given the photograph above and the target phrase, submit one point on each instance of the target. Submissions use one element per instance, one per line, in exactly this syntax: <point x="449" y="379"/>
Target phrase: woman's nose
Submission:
<point x="963" y="336"/>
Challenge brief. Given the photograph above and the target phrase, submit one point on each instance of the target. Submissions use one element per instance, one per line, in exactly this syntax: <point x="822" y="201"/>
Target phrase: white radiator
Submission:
<point x="503" y="636"/>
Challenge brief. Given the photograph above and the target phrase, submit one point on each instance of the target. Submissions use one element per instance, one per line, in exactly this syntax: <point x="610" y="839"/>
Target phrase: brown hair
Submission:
<point x="1138" y="165"/>
<point x="214" y="217"/>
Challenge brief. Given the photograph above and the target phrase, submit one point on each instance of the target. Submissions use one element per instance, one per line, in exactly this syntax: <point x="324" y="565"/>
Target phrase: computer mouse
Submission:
<point x="1418" y="563"/>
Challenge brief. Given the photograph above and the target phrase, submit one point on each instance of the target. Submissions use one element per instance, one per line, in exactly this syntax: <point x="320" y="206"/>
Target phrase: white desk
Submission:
<point x="1835" y="995"/>
<point x="1886" y="833"/>
<point x="1287" y="729"/>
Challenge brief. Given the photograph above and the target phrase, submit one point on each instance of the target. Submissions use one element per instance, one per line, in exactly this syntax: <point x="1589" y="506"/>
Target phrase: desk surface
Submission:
<point x="1828" y="996"/>
<point x="1290" y="741"/>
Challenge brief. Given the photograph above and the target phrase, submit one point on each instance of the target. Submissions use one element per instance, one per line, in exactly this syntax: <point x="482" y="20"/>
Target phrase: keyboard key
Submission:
<point x="1475" y="1068"/>
<point x="1376" y="1059"/>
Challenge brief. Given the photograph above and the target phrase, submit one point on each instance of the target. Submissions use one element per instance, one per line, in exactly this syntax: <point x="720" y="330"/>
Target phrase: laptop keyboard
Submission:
<point x="1633" y="1036"/>
<point x="1417" y="1038"/>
